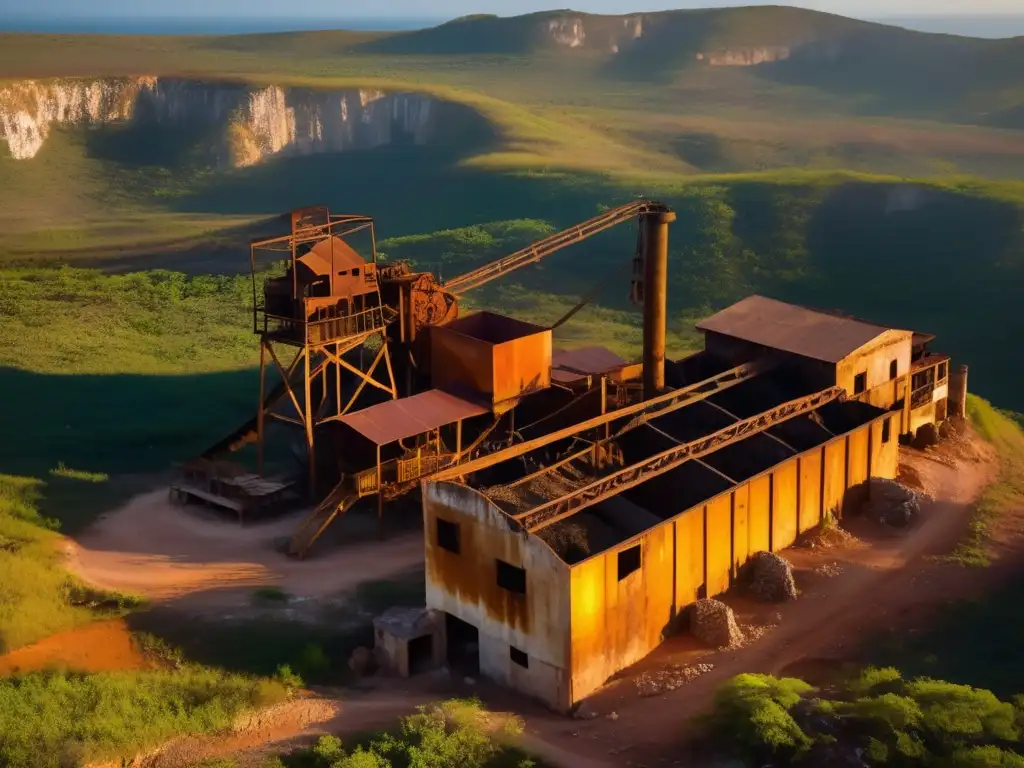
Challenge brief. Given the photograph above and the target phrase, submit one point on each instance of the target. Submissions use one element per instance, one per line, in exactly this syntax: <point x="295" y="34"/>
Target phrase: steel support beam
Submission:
<point x="655" y="240"/>
<point x="611" y="485"/>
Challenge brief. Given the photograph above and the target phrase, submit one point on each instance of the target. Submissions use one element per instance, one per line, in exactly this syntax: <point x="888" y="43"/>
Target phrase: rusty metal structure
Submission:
<point x="574" y="503"/>
<point x="388" y="384"/>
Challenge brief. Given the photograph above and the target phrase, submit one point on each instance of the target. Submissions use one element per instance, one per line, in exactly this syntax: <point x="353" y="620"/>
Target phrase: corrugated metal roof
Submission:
<point x="573" y="364"/>
<point x="397" y="419"/>
<point x="792" y="328"/>
<point x="344" y="256"/>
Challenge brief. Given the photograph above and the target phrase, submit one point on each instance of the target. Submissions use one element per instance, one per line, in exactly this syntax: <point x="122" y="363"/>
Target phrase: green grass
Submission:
<point x="892" y="720"/>
<point x="1006" y="493"/>
<point x="458" y="732"/>
<point x="57" y="719"/>
<point x="37" y="597"/>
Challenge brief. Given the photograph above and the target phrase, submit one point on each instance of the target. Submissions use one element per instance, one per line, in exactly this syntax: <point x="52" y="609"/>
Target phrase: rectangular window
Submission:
<point x="860" y="383"/>
<point x="942" y="371"/>
<point x="511" y="578"/>
<point x="629" y="561"/>
<point x="887" y="430"/>
<point x="448" y="535"/>
<point x="893" y="370"/>
<point x="519" y="657"/>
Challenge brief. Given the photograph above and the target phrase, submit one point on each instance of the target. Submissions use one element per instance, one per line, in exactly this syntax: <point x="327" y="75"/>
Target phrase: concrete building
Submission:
<point x="553" y="582"/>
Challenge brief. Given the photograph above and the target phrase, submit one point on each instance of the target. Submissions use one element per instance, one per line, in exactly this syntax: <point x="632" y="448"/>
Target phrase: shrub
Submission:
<point x="53" y="719"/>
<point x="753" y="712"/>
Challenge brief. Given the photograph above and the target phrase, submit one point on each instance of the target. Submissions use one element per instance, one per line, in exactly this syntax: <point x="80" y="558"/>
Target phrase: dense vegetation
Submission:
<point x="451" y="733"/>
<point x="889" y="720"/>
<point x="63" y="719"/>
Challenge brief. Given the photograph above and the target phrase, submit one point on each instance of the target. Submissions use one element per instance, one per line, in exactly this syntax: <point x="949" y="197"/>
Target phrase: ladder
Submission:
<point x="338" y="502"/>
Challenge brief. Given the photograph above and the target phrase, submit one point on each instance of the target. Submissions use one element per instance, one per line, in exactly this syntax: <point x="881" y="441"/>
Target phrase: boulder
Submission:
<point x="712" y="622"/>
<point x="891" y="503"/>
<point x="771" y="578"/>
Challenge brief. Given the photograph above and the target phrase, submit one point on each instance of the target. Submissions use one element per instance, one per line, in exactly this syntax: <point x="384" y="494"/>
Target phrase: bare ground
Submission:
<point x="208" y="564"/>
<point x="851" y="587"/>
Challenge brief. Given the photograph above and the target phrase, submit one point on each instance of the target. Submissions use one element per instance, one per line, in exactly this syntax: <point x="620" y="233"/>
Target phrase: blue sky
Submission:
<point x="452" y="8"/>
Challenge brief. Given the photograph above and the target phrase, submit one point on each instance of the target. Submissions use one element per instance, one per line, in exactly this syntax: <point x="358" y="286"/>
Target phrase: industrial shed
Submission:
<point x="555" y="619"/>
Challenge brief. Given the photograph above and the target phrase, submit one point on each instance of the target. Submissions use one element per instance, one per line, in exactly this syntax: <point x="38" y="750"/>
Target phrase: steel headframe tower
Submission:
<point x="326" y="311"/>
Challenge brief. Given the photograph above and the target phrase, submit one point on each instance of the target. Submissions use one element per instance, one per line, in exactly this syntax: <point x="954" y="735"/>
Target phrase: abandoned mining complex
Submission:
<point x="574" y="503"/>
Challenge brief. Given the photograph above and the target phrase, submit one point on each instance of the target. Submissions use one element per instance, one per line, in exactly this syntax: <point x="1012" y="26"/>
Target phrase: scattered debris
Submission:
<point x="568" y="540"/>
<point x="714" y="623"/>
<point x="891" y="503"/>
<point x="585" y="711"/>
<point x="828" y="570"/>
<point x="669" y="679"/>
<point x="771" y="578"/>
<point x="754" y="632"/>
<point x="612" y="716"/>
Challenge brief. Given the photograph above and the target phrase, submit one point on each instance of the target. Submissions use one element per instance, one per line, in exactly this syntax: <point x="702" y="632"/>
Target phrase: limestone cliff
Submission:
<point x="253" y="123"/>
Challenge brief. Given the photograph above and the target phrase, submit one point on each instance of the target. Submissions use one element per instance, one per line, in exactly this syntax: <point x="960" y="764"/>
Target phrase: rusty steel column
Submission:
<point x="655" y="239"/>
<point x="958" y="393"/>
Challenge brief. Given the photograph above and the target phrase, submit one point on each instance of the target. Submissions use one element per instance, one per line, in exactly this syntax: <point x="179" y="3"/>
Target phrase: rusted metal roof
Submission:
<point x="397" y="419"/>
<point x="573" y="364"/>
<point x="792" y="328"/>
<point x="319" y="258"/>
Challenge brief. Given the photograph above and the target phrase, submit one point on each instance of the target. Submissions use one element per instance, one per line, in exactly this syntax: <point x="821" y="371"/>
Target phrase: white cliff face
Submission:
<point x="252" y="123"/>
<point x="572" y="32"/>
<point x="748" y="57"/>
<point x="568" y="32"/>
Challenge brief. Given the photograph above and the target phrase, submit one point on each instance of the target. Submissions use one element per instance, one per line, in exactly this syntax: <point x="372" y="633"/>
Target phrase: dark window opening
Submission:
<point x="448" y="535"/>
<point x="629" y="561"/>
<point x="942" y="371"/>
<point x="886" y="430"/>
<point x="893" y="370"/>
<point x="511" y="578"/>
<point x="860" y="383"/>
<point x="355" y="272"/>
<point x="519" y="657"/>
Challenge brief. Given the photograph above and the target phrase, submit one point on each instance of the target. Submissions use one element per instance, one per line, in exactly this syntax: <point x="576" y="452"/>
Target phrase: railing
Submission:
<point x="318" y="331"/>
<point x="420" y="465"/>
<point x="922" y="396"/>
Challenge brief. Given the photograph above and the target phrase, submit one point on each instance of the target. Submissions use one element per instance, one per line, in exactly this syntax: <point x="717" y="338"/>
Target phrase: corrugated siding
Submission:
<point x="858" y="458"/>
<point x="835" y="475"/>
<point x="719" y="544"/>
<point x="810" y="490"/>
<point x="784" y="505"/>
<point x="759" y="514"/>
<point x="741" y="534"/>
<point x="689" y="536"/>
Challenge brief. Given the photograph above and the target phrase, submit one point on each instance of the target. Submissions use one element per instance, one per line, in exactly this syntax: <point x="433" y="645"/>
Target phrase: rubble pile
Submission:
<point x="713" y="622"/>
<point x="669" y="679"/>
<point x="771" y="578"/>
<point x="828" y="570"/>
<point x="891" y="503"/>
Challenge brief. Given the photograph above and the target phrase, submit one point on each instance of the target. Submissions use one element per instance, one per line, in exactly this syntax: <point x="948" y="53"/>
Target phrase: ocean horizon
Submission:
<point x="976" y="25"/>
<point x="234" y="25"/>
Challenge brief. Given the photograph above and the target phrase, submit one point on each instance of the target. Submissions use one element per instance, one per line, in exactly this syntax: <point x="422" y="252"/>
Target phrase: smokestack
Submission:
<point x="655" y="239"/>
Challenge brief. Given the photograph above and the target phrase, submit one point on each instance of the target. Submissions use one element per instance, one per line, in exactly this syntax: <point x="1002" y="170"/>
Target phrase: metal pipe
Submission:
<point x="655" y="239"/>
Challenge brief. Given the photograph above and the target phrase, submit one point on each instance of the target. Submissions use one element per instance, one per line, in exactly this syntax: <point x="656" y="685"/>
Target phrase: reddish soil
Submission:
<point x="850" y="588"/>
<point x="99" y="647"/>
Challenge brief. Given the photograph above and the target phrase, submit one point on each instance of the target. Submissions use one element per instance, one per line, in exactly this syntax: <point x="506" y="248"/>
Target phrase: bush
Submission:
<point x="753" y="712"/>
<point x="56" y="719"/>
<point x="452" y="733"/>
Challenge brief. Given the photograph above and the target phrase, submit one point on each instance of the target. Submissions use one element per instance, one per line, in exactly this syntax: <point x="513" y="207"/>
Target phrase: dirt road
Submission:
<point x="156" y="550"/>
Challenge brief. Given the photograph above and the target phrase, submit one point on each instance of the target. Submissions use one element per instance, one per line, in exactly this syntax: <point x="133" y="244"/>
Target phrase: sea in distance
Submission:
<point x="971" y="25"/>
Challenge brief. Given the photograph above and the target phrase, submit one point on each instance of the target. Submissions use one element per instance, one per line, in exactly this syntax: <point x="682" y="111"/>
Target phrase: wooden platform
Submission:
<point x="246" y="495"/>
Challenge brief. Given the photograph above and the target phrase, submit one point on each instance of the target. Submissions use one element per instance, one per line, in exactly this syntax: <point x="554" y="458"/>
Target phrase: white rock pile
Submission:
<point x="712" y="622"/>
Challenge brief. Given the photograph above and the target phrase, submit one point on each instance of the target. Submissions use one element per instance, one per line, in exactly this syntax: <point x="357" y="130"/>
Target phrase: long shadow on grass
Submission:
<point x="111" y="425"/>
<point x="974" y="643"/>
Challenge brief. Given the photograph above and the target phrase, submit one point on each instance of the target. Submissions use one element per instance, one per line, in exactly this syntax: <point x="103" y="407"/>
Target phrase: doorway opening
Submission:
<point x="462" y="645"/>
